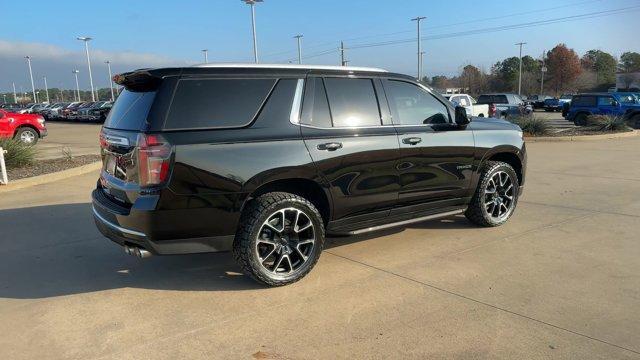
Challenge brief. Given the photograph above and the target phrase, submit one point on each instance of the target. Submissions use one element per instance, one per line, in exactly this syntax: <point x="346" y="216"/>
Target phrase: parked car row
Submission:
<point x="498" y="105"/>
<point x="622" y="104"/>
<point x="74" y="111"/>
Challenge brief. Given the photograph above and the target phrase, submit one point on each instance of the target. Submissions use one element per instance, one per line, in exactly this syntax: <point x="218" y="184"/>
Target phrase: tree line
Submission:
<point x="565" y="71"/>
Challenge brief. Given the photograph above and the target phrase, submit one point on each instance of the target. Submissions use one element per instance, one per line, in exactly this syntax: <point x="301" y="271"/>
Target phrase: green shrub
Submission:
<point x="607" y="123"/>
<point x="532" y="125"/>
<point x="18" y="153"/>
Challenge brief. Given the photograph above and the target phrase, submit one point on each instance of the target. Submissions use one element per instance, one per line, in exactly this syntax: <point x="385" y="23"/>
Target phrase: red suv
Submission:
<point x="27" y="128"/>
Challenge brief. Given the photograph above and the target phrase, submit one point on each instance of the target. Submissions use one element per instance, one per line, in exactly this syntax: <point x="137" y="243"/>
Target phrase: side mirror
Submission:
<point x="615" y="103"/>
<point x="461" y="116"/>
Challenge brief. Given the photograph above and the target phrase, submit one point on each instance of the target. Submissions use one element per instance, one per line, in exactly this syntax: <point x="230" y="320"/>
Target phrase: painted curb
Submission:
<point x="51" y="177"/>
<point x="581" y="137"/>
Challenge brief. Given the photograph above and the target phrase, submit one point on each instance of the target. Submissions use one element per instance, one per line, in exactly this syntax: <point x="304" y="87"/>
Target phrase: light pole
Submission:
<point x="206" y="55"/>
<point x="343" y="61"/>
<point x="4" y="98"/>
<point x="252" y="3"/>
<point x="46" y="88"/>
<point x="543" y="69"/>
<point x="15" y="97"/>
<point x="421" y="58"/>
<point x="110" y="80"/>
<point x="417" y="20"/>
<point x="520" y="69"/>
<point x="33" y="87"/>
<point x="75" y="72"/>
<point x="86" y="49"/>
<point x="37" y="93"/>
<point x="299" y="38"/>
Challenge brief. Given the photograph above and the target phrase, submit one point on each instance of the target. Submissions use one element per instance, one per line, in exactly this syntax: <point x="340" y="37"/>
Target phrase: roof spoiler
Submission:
<point x="138" y="80"/>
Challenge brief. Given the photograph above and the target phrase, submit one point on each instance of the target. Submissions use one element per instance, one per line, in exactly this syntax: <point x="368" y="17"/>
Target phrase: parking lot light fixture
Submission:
<point x="417" y="20"/>
<point x="46" y="88"/>
<point x="252" y="3"/>
<point x="110" y="79"/>
<point x="206" y="55"/>
<point x="86" y="40"/>
<point x="75" y="72"/>
<point x="299" y="38"/>
<point x="33" y="87"/>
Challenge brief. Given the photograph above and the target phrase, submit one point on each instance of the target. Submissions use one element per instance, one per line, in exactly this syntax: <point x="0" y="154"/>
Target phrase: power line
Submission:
<point x="320" y="44"/>
<point x="487" y="30"/>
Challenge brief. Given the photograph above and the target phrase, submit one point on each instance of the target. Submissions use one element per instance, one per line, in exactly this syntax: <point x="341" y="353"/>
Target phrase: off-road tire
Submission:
<point x="256" y="212"/>
<point x="580" y="119"/>
<point x="476" y="211"/>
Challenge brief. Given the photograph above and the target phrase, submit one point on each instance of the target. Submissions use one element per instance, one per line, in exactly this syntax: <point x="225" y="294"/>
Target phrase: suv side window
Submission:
<point x="315" y="107"/>
<point x="214" y="103"/>
<point x="605" y="101"/>
<point x="585" y="101"/>
<point x="415" y="106"/>
<point x="353" y="102"/>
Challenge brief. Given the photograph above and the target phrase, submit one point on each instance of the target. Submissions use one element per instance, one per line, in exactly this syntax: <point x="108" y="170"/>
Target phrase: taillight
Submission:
<point x="154" y="157"/>
<point x="492" y="110"/>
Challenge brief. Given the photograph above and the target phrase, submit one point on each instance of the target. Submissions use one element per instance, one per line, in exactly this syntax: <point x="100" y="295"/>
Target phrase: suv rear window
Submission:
<point x="130" y="110"/>
<point x="212" y="103"/>
<point x="493" y="99"/>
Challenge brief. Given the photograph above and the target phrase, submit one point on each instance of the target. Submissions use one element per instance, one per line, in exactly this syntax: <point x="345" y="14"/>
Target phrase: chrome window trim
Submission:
<point x="294" y="116"/>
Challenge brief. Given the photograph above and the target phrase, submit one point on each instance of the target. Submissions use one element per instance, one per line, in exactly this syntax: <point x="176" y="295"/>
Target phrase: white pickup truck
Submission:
<point x="468" y="103"/>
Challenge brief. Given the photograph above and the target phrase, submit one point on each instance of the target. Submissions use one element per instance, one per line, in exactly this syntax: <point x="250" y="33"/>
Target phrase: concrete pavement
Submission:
<point x="80" y="138"/>
<point x="560" y="280"/>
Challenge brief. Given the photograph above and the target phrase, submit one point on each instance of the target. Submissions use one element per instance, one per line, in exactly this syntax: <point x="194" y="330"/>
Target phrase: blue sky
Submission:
<point x="134" y="34"/>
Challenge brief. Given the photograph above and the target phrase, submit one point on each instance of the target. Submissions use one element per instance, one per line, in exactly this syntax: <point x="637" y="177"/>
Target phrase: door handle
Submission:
<point x="332" y="146"/>
<point x="411" y="140"/>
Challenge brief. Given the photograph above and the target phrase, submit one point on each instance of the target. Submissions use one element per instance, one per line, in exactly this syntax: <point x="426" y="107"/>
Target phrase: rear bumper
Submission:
<point x="136" y="227"/>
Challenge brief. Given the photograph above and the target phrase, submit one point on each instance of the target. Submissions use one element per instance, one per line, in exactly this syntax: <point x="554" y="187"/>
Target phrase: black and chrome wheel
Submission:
<point x="496" y="196"/>
<point x="280" y="238"/>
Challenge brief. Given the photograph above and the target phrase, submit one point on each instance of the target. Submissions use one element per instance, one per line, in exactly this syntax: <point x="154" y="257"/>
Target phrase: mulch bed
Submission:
<point x="582" y="131"/>
<point x="42" y="167"/>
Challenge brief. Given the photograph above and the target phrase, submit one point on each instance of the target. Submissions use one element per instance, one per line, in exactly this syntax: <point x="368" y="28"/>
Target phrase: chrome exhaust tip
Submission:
<point x="136" y="251"/>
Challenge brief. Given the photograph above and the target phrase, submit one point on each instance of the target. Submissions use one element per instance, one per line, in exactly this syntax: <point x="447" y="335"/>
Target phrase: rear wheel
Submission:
<point x="496" y="196"/>
<point x="280" y="238"/>
<point x="580" y="119"/>
<point x="27" y="135"/>
<point x="635" y="122"/>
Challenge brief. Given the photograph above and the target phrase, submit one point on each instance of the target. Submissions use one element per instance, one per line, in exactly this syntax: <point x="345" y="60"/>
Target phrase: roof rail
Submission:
<point x="289" y="66"/>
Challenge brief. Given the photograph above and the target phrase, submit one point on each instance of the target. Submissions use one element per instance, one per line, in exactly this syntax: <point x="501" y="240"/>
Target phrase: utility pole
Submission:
<point x="110" y="79"/>
<point x="86" y="48"/>
<point x="520" y="70"/>
<point x="15" y="97"/>
<point x="343" y="62"/>
<point x="421" y="60"/>
<point x="75" y="72"/>
<point x="252" y="3"/>
<point x="33" y="87"/>
<point x="543" y="70"/>
<point x="299" y="38"/>
<point x="206" y="56"/>
<point x="46" y="88"/>
<point x="417" y="20"/>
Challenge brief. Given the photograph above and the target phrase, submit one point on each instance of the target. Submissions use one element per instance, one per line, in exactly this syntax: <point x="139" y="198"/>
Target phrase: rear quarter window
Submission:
<point x="216" y="103"/>
<point x="584" y="101"/>
<point x="130" y="111"/>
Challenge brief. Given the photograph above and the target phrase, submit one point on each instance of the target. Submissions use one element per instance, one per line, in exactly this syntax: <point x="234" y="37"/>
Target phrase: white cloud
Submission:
<point x="56" y="64"/>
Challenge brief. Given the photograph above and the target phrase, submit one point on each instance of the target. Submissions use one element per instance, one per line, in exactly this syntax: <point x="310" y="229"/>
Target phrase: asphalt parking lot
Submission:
<point x="78" y="137"/>
<point x="560" y="280"/>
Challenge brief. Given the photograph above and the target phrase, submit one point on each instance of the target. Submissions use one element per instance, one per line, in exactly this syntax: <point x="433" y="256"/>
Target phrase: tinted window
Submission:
<point x="492" y="99"/>
<point x="353" y="102"/>
<point x="627" y="99"/>
<point x="415" y="106"/>
<point x="605" y="101"/>
<point x="209" y="103"/>
<point x="130" y="110"/>
<point x="587" y="101"/>
<point x="319" y="114"/>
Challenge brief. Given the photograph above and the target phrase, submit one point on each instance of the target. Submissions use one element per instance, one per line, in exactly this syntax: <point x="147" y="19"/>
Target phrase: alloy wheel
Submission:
<point x="285" y="241"/>
<point x="499" y="196"/>
<point x="27" y="137"/>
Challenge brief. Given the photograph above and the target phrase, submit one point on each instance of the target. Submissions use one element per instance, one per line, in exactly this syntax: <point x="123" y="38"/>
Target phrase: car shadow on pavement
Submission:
<point x="56" y="250"/>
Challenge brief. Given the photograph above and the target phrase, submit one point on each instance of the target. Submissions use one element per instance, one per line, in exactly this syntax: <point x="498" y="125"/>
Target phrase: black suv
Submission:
<point x="265" y="160"/>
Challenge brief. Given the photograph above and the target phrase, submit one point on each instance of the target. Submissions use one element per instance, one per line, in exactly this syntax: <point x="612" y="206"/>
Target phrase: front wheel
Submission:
<point x="27" y="135"/>
<point x="280" y="238"/>
<point x="496" y="197"/>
